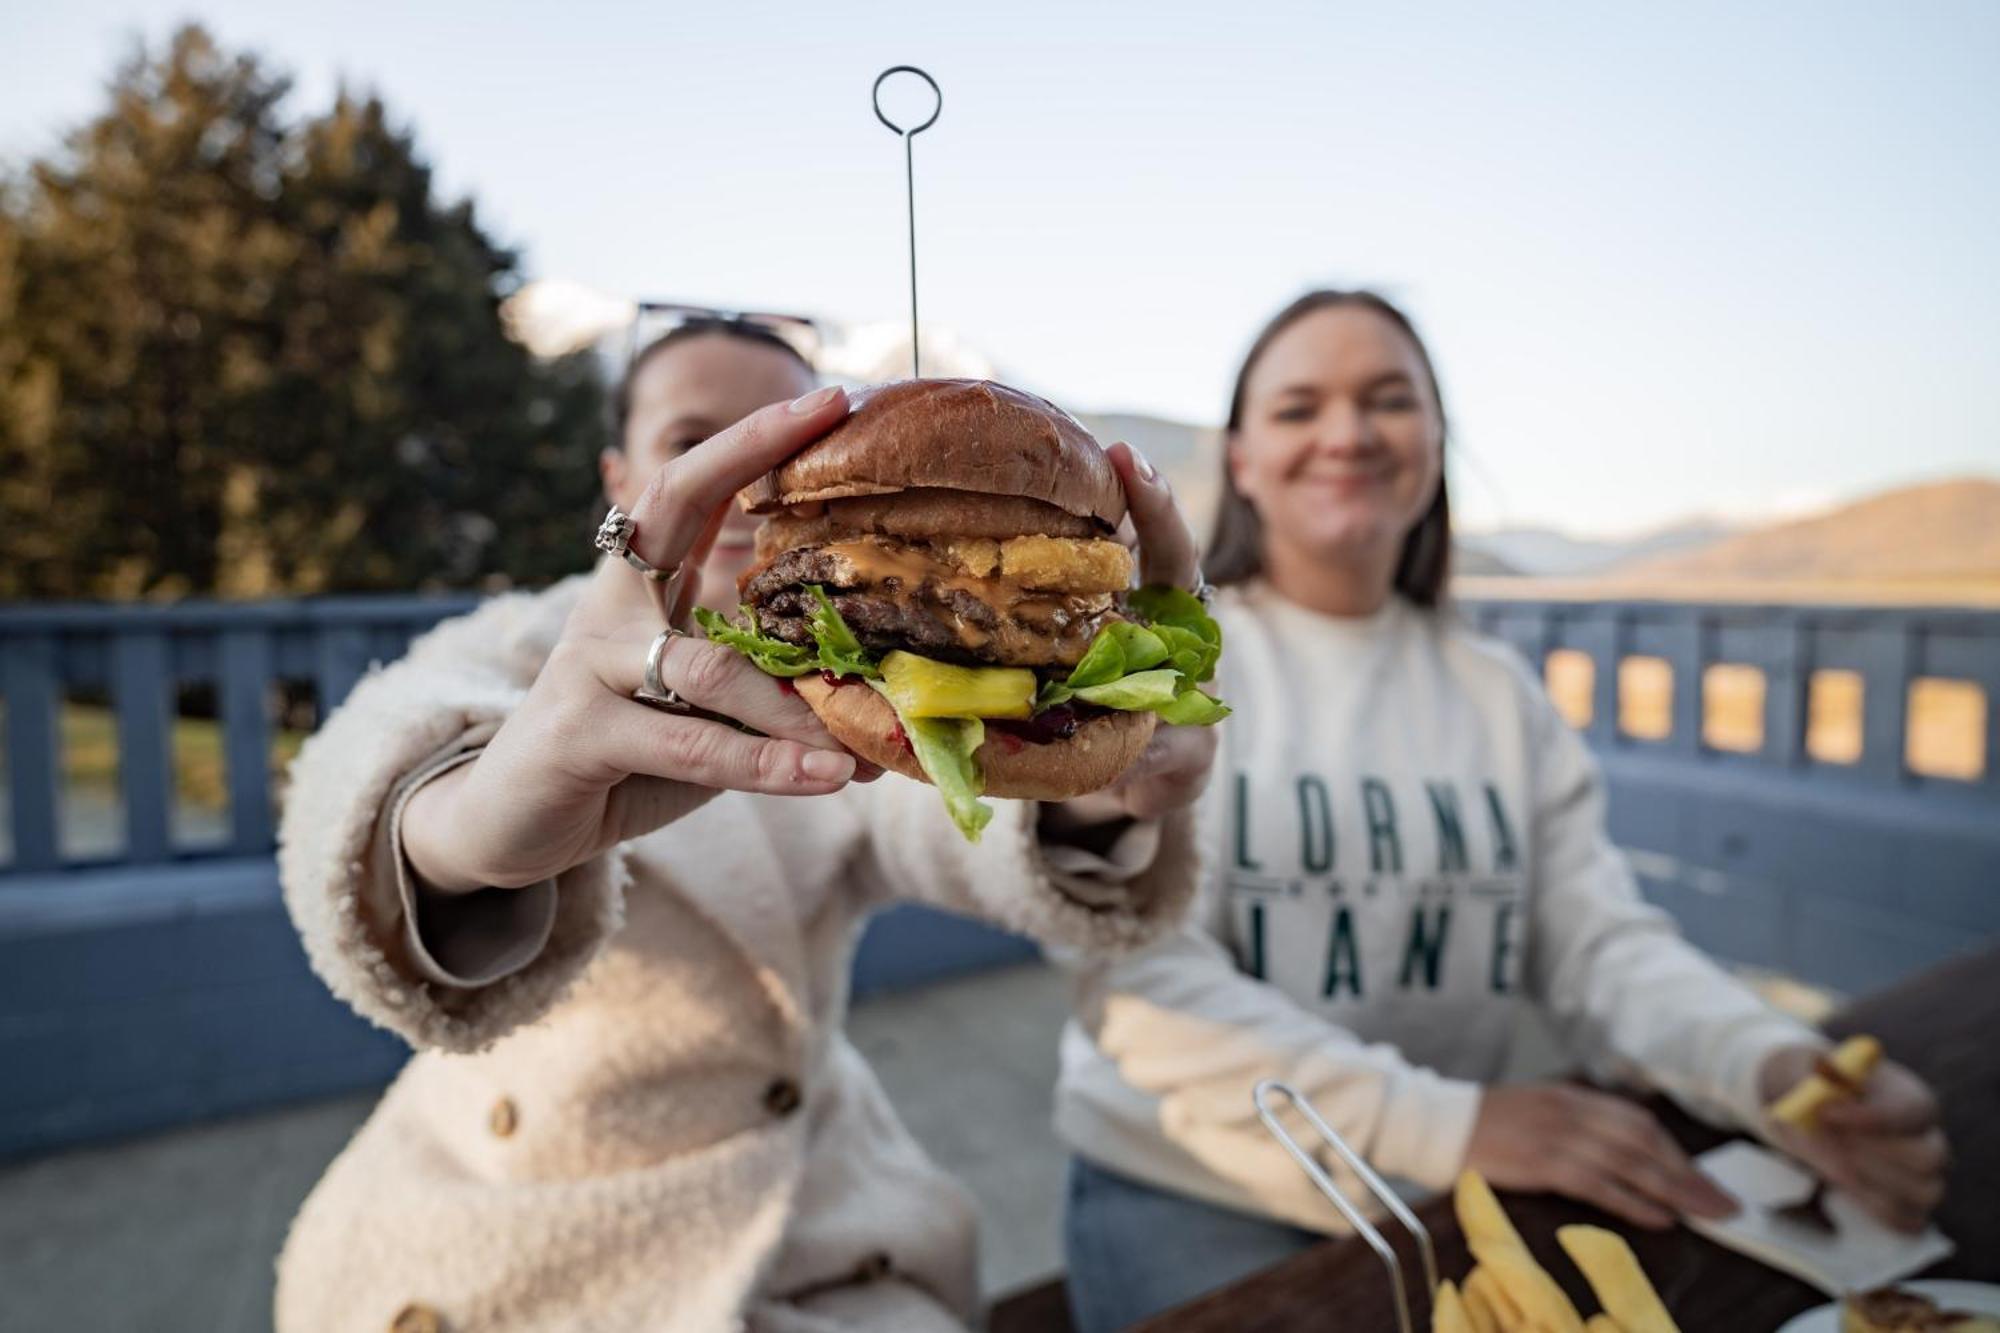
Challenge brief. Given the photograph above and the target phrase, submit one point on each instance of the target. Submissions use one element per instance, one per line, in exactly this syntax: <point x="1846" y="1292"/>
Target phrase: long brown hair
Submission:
<point x="1236" y="543"/>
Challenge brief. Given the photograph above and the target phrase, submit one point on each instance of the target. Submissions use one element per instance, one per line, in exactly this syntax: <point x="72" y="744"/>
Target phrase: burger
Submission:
<point x="1900" y="1310"/>
<point x="940" y="577"/>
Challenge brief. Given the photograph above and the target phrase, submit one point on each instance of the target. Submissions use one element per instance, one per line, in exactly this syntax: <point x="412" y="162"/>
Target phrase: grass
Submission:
<point x="89" y="739"/>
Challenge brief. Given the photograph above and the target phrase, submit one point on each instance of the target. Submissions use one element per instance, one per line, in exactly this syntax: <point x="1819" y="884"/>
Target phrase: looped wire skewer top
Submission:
<point x="883" y="116"/>
<point x="909" y="186"/>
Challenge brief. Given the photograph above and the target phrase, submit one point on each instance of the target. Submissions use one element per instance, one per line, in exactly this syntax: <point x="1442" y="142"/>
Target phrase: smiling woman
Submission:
<point x="1407" y="850"/>
<point x="1336" y="360"/>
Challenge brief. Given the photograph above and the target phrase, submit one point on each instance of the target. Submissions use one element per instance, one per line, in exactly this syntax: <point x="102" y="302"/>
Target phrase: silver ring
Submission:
<point x="1203" y="590"/>
<point x="614" y="537"/>
<point x="652" y="690"/>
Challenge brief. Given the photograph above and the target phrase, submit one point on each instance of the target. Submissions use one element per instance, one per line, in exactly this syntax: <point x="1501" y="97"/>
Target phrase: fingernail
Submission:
<point x="826" y="766"/>
<point x="1715" y="1204"/>
<point x="807" y="404"/>
<point x="1142" y="464"/>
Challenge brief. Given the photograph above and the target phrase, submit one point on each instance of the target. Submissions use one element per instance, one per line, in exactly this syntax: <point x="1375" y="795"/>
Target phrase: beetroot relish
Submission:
<point x="1052" y="724"/>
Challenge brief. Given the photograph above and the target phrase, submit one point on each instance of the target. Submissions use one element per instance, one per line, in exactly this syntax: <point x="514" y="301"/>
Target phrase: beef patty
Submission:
<point x="969" y="621"/>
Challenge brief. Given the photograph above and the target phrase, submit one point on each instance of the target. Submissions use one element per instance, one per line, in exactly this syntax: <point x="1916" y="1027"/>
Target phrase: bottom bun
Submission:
<point x="1093" y="758"/>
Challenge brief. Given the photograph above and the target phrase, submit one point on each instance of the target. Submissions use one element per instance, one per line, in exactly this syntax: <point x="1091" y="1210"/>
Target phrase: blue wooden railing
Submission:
<point x="139" y="656"/>
<point x="155" y="978"/>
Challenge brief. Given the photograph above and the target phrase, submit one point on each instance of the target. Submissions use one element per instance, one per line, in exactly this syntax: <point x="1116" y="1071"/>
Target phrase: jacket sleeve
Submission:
<point x="454" y="973"/>
<point x="1058" y="895"/>
<point x="1630" y="997"/>
<point x="1188" y="1029"/>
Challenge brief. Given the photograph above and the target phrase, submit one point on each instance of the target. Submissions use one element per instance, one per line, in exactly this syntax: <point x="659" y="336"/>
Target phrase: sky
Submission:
<point x="1671" y="260"/>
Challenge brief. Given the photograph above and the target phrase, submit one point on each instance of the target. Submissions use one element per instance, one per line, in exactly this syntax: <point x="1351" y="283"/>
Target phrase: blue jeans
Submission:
<point x="1134" y="1251"/>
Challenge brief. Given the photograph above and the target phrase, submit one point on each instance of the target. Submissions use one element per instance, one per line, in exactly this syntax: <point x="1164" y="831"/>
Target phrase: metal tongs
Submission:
<point x="1261" y="1095"/>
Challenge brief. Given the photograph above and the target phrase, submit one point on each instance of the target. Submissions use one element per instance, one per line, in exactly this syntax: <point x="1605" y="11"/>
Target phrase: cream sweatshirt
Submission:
<point x="1403" y="845"/>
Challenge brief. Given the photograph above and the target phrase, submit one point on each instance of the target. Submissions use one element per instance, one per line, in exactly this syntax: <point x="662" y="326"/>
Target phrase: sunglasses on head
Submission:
<point x="656" y="319"/>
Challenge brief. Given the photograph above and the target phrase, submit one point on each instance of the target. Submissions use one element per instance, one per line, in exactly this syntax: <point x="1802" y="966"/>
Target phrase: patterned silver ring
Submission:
<point x="614" y="537"/>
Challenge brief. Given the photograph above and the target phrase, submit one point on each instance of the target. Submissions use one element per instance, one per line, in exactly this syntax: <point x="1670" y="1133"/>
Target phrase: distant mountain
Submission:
<point x="1940" y="530"/>
<point x="1186" y="453"/>
<point x="1170" y="444"/>
<point x="1545" y="553"/>
<point x="1476" y="562"/>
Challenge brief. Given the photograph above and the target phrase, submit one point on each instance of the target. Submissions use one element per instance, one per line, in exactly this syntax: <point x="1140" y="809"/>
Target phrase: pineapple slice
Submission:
<point x="920" y="687"/>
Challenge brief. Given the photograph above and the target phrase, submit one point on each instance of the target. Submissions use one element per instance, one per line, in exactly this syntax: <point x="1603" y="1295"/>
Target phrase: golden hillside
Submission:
<point x="1938" y="532"/>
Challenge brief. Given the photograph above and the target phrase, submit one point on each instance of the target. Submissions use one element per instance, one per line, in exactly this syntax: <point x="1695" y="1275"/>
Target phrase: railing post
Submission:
<point x="1604" y="633"/>
<point x="340" y="655"/>
<point x="28" y="677"/>
<point x="1691" y="648"/>
<point x="145" y="775"/>
<point x="1786" y="673"/>
<point x="246" y="737"/>
<point x="1989" y="681"/>
<point x="1888" y="660"/>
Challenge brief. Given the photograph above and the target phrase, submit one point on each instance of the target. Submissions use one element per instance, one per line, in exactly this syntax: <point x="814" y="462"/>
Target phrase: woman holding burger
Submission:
<point x="619" y="934"/>
<point x="1403" y="847"/>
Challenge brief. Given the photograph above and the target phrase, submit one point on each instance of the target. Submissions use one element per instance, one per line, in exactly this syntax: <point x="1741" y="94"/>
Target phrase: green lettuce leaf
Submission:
<point x="1187" y="653"/>
<point x="1140" y="691"/>
<point x="1192" y="708"/>
<point x="1152" y="667"/>
<point x="1119" y="649"/>
<point x="1178" y="609"/>
<point x="839" y="650"/>
<point x="944" y="748"/>
<point x="772" y="656"/>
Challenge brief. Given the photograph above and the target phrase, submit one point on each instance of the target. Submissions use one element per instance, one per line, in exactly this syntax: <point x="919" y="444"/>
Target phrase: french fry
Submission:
<point x="1448" y="1312"/>
<point x="1614" y="1273"/>
<point x="1852" y="1062"/>
<point x="1498" y="1247"/>
<point x="1480" y="1215"/>
<point x="1482" y="1303"/>
<point x="1544" y="1305"/>
<point x="1602" y="1323"/>
<point x="1485" y="1293"/>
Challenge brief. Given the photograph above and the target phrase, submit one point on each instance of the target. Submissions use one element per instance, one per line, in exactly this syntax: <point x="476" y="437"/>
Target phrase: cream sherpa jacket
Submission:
<point x="632" y="1107"/>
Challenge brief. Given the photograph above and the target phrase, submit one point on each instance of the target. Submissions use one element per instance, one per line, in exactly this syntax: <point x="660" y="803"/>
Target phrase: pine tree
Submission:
<point x="245" y="356"/>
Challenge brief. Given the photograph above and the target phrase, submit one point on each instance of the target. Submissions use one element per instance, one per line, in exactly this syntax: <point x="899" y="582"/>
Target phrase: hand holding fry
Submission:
<point x="1872" y="1130"/>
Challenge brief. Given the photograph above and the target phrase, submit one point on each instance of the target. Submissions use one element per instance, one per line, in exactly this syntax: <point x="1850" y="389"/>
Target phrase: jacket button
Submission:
<point x="416" y="1317"/>
<point x="504" y="1118"/>
<point x="874" y="1268"/>
<point x="782" y="1097"/>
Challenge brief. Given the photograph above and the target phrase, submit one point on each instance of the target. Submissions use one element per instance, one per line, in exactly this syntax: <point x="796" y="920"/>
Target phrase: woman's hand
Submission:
<point x="1591" y="1146"/>
<point x="1885" y="1147"/>
<point x="1174" y="767"/>
<point x="581" y="766"/>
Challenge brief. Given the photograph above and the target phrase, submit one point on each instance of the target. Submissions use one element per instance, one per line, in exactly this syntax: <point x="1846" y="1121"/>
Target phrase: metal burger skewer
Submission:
<point x="909" y="187"/>
<point x="1262" y="1095"/>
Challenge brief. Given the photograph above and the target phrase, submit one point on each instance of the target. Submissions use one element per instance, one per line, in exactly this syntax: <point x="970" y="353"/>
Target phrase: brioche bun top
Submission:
<point x="950" y="434"/>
